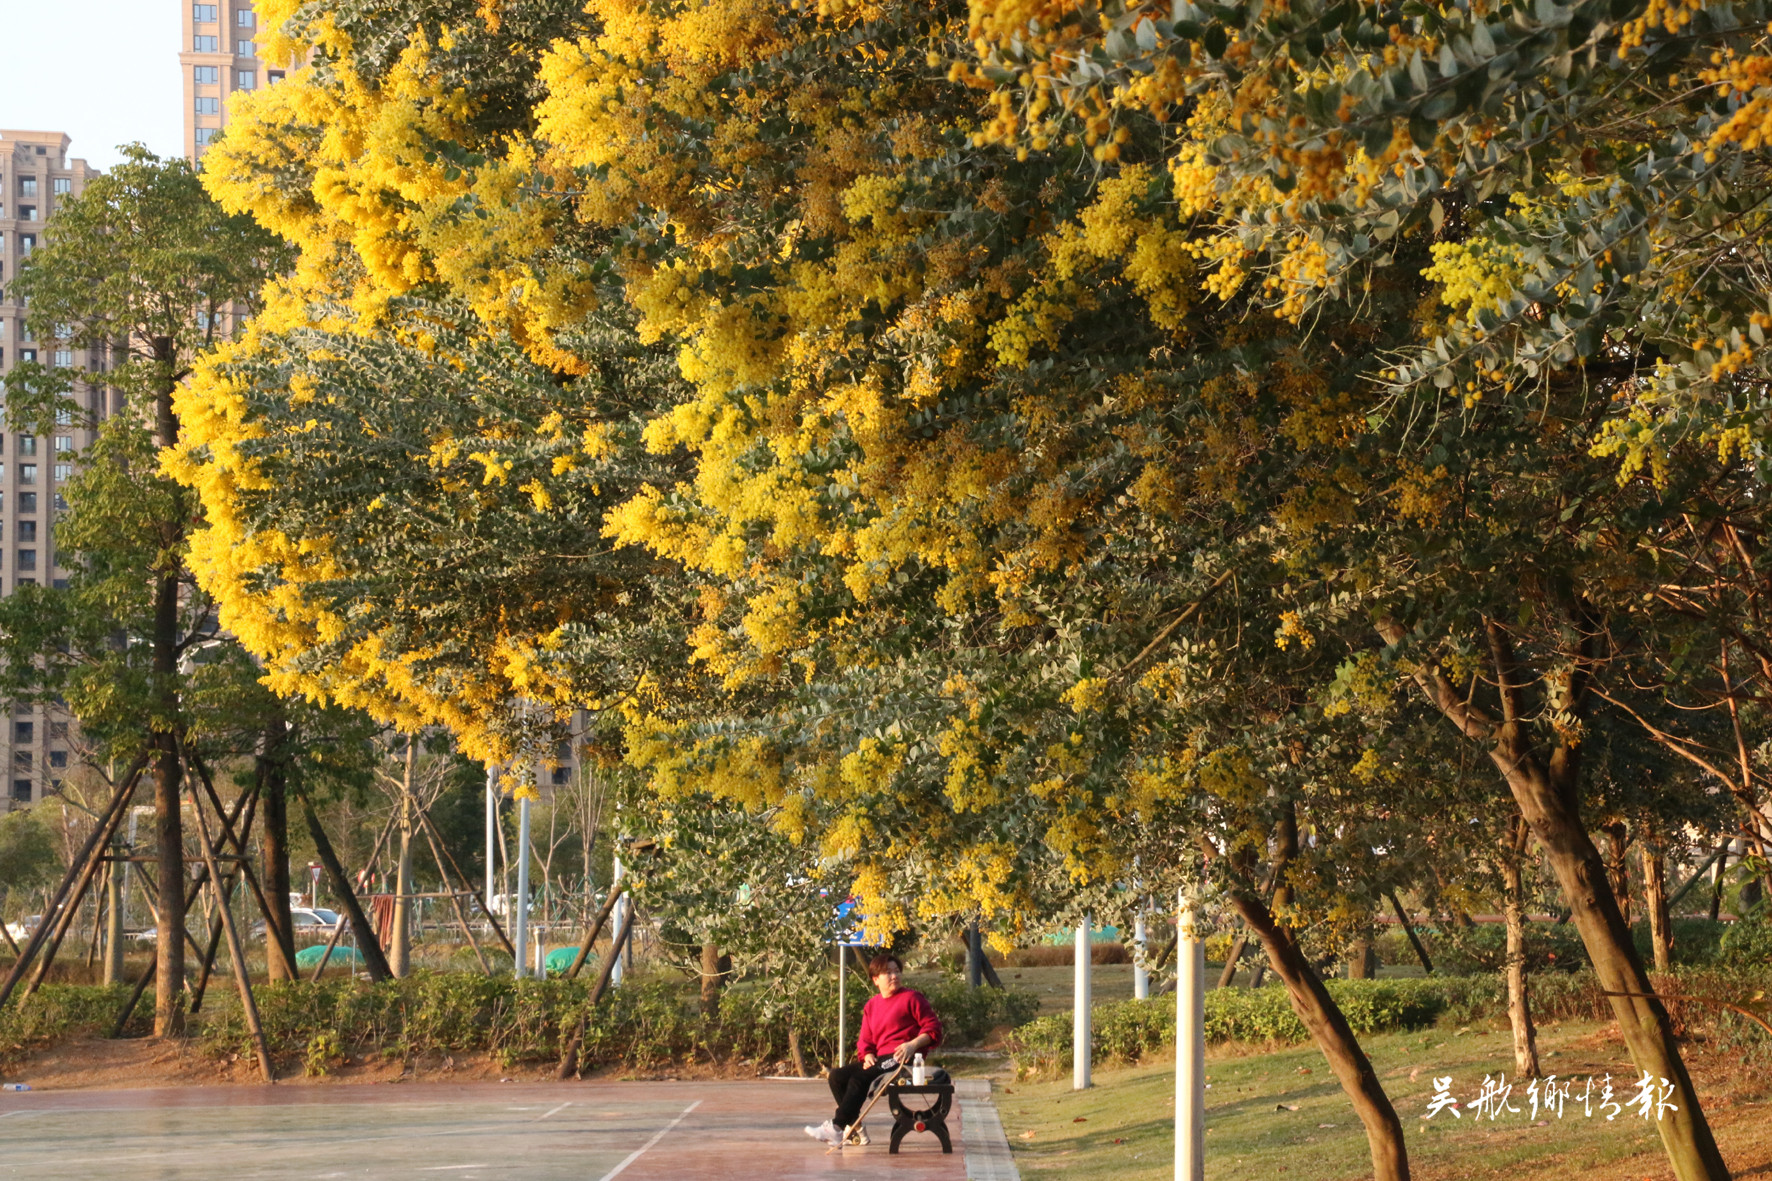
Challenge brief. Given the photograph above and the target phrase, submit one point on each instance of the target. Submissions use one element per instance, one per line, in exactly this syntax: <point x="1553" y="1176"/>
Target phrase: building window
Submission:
<point x="206" y="43"/>
<point x="273" y="76"/>
<point x="27" y="531"/>
<point x="21" y="761"/>
<point x="27" y="355"/>
<point x="59" y="583"/>
<point x="204" y="14"/>
<point x="562" y="776"/>
<point x="64" y="358"/>
<point x="27" y="559"/>
<point x="24" y="733"/>
<point x="58" y="759"/>
<point x="62" y="184"/>
<point x="64" y="472"/>
<point x="27" y="473"/>
<point x="27" y="186"/>
<point x="27" y="502"/>
<point x="21" y="791"/>
<point x="61" y="502"/>
<point x="26" y="244"/>
<point x="246" y="79"/>
<point x="58" y="731"/>
<point x="18" y="582"/>
<point x="64" y="444"/>
<point x="245" y="49"/>
<point x="208" y="105"/>
<point x="27" y="444"/>
<point x="27" y="213"/>
<point x="206" y="136"/>
<point x="207" y="75"/>
<point x="245" y="19"/>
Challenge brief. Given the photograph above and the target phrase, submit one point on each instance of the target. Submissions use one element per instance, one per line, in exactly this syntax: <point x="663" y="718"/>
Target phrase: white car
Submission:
<point x="21" y="930"/>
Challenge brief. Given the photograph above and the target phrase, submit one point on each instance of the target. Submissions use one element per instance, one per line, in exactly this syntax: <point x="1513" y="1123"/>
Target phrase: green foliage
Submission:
<point x="1749" y="939"/>
<point x="28" y="856"/>
<point x="56" y="1012"/>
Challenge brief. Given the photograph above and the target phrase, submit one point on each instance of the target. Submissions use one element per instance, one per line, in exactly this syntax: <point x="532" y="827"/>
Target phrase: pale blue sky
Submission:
<point x="104" y="71"/>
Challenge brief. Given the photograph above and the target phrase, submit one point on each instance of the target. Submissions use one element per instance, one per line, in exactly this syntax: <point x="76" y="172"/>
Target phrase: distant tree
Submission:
<point x="144" y="272"/>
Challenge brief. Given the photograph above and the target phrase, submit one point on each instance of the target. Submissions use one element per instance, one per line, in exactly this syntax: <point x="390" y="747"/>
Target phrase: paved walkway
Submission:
<point x="584" y="1131"/>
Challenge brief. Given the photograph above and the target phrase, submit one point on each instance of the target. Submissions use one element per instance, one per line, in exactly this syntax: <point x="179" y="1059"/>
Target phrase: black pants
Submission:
<point x="849" y="1087"/>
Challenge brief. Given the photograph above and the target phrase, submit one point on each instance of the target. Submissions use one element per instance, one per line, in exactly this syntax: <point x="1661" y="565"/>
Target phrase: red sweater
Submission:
<point x="887" y="1022"/>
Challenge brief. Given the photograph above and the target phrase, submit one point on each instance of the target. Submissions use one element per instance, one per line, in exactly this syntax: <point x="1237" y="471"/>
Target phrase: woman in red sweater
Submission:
<point x="896" y="1026"/>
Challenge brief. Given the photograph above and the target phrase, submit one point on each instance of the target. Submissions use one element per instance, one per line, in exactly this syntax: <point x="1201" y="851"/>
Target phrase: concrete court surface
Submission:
<point x="582" y="1131"/>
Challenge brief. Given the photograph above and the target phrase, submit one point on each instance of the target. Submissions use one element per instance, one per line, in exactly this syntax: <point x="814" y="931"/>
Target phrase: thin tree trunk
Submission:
<point x="711" y="980"/>
<point x="1617" y="868"/>
<point x="1716" y="886"/>
<point x="1655" y="902"/>
<point x="400" y="949"/>
<point x="1519" y="1000"/>
<point x="1229" y="976"/>
<point x="274" y="799"/>
<point x="1545" y="788"/>
<point x="169" y="952"/>
<point x="1334" y="1039"/>
<point x="797" y="1054"/>
<point x="1361" y="957"/>
<point x="1427" y="965"/>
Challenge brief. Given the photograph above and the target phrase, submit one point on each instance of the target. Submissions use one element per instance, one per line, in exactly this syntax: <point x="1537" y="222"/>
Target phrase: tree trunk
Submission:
<point x="1655" y="902"/>
<point x="400" y="944"/>
<point x="795" y="1052"/>
<point x="1617" y="868"/>
<point x="1519" y="1000"/>
<point x="169" y="952"/>
<point x="1427" y="965"/>
<point x="1362" y="957"/>
<point x="1229" y="976"/>
<point x="1545" y="790"/>
<point x="711" y="979"/>
<point x="1333" y="1037"/>
<point x="274" y="803"/>
<point x="114" y="919"/>
<point x="1717" y="880"/>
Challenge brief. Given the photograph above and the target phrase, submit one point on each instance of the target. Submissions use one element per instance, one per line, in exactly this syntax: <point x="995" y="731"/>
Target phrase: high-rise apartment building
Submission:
<point x="35" y="176"/>
<point x="219" y="56"/>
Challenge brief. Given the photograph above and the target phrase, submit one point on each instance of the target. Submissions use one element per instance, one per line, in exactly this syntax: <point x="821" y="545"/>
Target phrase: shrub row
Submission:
<point x="647" y="1024"/>
<point x="1128" y="1031"/>
<point x="56" y="1012"/>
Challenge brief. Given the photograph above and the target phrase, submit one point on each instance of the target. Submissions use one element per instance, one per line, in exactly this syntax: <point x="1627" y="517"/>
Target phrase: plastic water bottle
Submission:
<point x="15" y="1086"/>
<point x="917" y="1076"/>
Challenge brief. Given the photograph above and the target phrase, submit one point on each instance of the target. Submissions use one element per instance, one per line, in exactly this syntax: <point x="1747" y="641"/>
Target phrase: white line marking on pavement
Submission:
<point x="641" y="1151"/>
<point x="556" y="1111"/>
<point x="450" y="1168"/>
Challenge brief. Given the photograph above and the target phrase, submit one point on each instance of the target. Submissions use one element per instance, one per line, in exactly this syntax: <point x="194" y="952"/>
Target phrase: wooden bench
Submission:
<point x="920" y="1109"/>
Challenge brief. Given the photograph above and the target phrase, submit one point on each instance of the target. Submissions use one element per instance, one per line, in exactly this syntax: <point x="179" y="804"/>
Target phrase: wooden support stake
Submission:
<point x="1427" y="965"/>
<point x="468" y="882"/>
<point x="239" y="843"/>
<point x="235" y="952"/>
<point x="461" y="917"/>
<point x="83" y="864"/>
<point x="569" y="1060"/>
<point x="368" y="946"/>
<point x="135" y="999"/>
<point x="603" y="912"/>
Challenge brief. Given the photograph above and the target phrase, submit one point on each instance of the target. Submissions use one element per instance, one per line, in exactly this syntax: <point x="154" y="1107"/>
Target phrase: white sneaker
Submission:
<point x="825" y="1133"/>
<point x="859" y="1135"/>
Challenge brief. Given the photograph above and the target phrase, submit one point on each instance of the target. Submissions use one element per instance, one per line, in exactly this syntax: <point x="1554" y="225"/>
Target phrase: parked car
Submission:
<point x="21" y="930"/>
<point x="304" y="922"/>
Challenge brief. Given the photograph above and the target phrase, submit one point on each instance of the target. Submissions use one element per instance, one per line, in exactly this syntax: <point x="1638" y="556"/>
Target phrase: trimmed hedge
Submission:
<point x="643" y="1025"/>
<point x="54" y="1012"/>
<point x="1128" y="1031"/>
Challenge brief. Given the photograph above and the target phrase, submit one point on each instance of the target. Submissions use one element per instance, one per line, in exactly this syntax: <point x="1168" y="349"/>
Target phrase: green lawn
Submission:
<point x="1124" y="1126"/>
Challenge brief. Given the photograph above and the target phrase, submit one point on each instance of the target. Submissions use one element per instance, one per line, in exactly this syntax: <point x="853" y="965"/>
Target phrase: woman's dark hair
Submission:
<point x="883" y="961"/>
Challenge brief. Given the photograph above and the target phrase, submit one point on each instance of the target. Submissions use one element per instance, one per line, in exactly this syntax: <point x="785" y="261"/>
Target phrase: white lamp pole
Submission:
<point x="522" y="939"/>
<point x="1141" y="977"/>
<point x="1190" y="1047"/>
<point x="842" y="1003"/>
<point x="621" y="922"/>
<point x="491" y="831"/>
<point x="1080" y="1012"/>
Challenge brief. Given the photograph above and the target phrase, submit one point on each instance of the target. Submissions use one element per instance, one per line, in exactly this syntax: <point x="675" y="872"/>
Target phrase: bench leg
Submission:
<point x="898" y="1133"/>
<point x="940" y="1128"/>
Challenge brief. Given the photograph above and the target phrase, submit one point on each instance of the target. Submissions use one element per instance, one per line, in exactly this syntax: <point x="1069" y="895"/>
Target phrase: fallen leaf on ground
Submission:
<point x="1027" y="1135"/>
<point x="1081" y="1119"/>
<point x="1285" y="1107"/>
